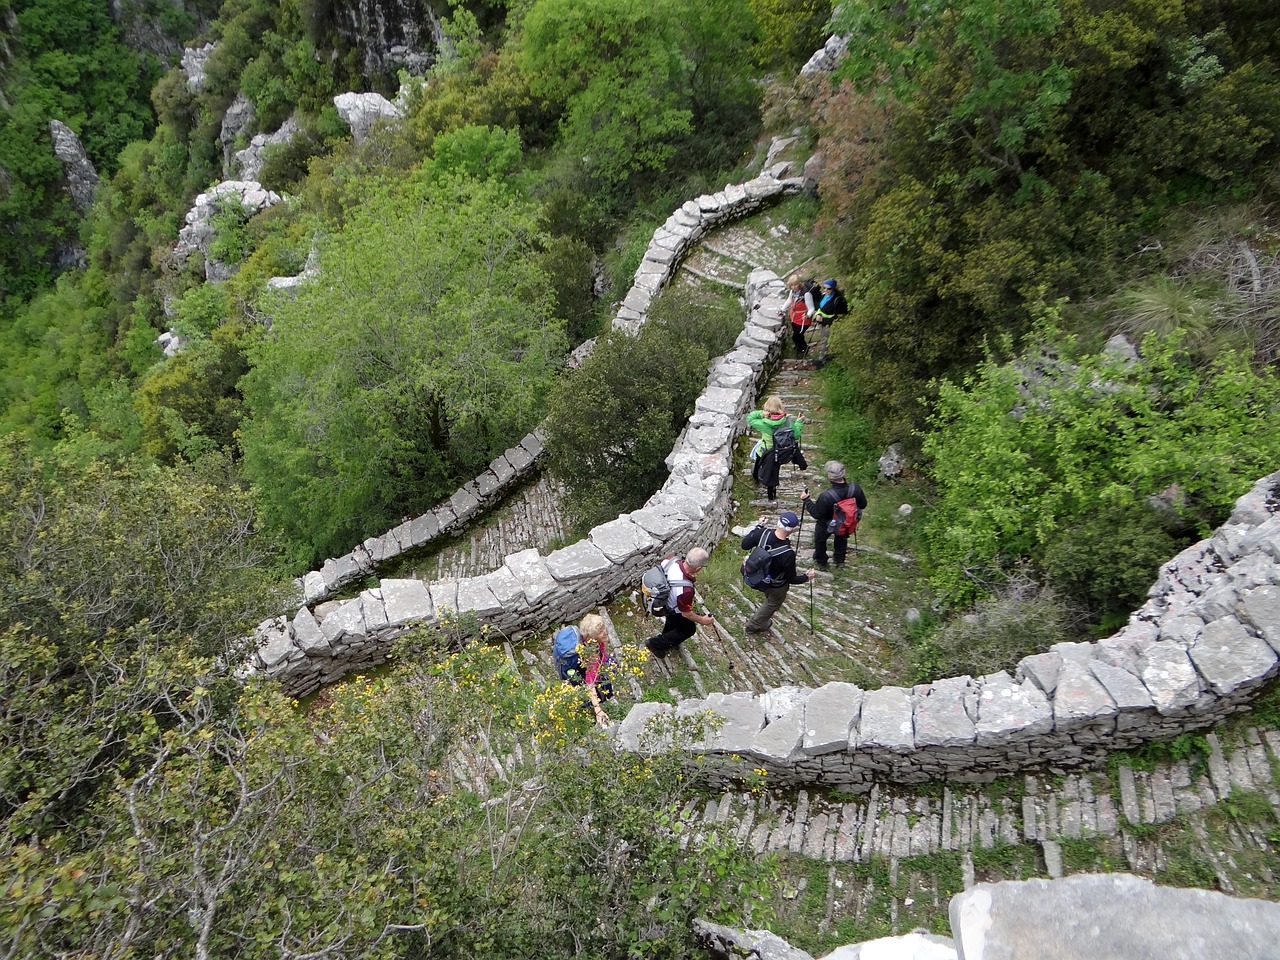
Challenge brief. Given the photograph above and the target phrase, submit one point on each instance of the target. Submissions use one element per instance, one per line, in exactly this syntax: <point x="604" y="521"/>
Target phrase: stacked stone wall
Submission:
<point x="1198" y="650"/>
<point x="532" y="591"/>
<point x="671" y="242"/>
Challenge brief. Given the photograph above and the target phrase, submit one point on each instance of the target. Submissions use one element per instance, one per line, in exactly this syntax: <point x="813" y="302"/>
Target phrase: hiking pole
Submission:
<point x="799" y="538"/>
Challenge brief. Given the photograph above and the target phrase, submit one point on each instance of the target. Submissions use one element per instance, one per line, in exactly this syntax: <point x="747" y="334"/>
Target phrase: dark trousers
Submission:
<point x="820" y="535"/>
<point x="678" y="629"/>
<point x="761" y="618"/>
<point x="797" y="337"/>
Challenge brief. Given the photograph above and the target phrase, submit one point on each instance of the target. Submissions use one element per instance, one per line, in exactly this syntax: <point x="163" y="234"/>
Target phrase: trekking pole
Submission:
<point x="799" y="544"/>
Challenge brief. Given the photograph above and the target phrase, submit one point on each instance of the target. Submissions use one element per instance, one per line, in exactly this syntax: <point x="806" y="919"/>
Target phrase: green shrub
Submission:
<point x="1110" y="558"/>
<point x="611" y="424"/>
<point x="1022" y="619"/>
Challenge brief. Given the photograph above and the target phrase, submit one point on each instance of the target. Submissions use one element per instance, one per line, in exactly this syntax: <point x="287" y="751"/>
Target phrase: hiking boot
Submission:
<point x="660" y="654"/>
<point x="755" y="630"/>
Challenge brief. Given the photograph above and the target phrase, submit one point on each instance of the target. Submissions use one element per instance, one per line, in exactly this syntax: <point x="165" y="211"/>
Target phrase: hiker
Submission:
<point x="823" y="511"/>
<point x="781" y="571"/>
<point x="591" y="634"/>
<point x="829" y="304"/>
<point x="679" y="626"/>
<point x="771" y="418"/>
<point x="801" y="303"/>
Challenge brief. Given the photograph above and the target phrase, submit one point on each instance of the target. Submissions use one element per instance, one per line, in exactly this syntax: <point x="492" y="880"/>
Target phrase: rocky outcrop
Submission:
<point x="145" y="32"/>
<point x="79" y="173"/>
<point x="1197" y="651"/>
<point x="247" y="163"/>
<point x="828" y="58"/>
<point x="193" y="61"/>
<point x="360" y="111"/>
<point x="390" y="35"/>
<point x="240" y="116"/>
<point x="199" y="230"/>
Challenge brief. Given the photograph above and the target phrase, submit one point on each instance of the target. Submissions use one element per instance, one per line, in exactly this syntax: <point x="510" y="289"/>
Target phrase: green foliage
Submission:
<point x="849" y="436"/>
<point x="480" y="152"/>
<point x="634" y="82"/>
<point x="1025" y="453"/>
<point x="998" y="632"/>
<point x="790" y="30"/>
<point x="612" y="422"/>
<point x="67" y="64"/>
<point x="222" y="816"/>
<point x="424" y="347"/>
<point x="570" y="264"/>
<point x="190" y="403"/>
<point x="111" y="577"/>
<point x="1021" y="151"/>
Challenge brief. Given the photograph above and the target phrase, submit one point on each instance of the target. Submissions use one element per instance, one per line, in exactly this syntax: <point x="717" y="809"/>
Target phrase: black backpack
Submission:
<point x="784" y="444"/>
<point x="655" y="589"/>
<point x="755" y="569"/>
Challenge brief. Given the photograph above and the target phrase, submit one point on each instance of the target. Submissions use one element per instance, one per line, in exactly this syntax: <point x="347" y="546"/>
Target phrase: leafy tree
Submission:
<point x="422" y="349"/>
<point x="107" y="574"/>
<point x="633" y="80"/>
<point x="239" y="834"/>
<point x="1030" y="456"/>
<point x="611" y="424"/>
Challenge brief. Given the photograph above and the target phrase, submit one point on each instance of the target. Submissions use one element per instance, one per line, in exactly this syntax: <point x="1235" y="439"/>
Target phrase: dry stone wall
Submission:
<point x="1197" y="650"/>
<point x="670" y="244"/>
<point x="531" y="591"/>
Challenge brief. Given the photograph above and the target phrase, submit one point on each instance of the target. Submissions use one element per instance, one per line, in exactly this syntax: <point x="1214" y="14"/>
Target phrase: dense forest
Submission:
<point x="1004" y="186"/>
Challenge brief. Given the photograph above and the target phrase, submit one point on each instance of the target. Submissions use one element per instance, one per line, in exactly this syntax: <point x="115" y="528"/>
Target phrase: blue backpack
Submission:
<point x="564" y="648"/>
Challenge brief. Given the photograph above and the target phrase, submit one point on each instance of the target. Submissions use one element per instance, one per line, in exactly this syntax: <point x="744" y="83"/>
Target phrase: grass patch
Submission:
<point x="1092" y="856"/>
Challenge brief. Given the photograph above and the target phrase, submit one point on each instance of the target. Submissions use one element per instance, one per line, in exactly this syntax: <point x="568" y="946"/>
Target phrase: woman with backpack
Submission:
<point x="801" y="304"/>
<point x="582" y="658"/>
<point x="779" y="443"/>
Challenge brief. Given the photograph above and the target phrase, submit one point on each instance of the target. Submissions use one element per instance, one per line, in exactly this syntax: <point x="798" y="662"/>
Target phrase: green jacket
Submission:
<point x="759" y="420"/>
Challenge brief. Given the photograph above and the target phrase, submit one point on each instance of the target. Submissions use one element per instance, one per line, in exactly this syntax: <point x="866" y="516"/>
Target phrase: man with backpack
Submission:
<point x="836" y="513"/>
<point x="681" y="575"/>
<point x="770" y="567"/>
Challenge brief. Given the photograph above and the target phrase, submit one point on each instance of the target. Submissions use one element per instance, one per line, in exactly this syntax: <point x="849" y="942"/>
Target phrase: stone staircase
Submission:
<point x="857" y="632"/>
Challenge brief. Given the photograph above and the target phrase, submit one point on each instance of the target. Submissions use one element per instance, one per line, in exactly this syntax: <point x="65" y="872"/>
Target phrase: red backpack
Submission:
<point x="800" y="313"/>
<point x="844" y="517"/>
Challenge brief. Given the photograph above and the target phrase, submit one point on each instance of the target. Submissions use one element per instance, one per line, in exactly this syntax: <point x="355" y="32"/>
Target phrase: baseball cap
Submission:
<point x="789" y="520"/>
<point x="835" y="471"/>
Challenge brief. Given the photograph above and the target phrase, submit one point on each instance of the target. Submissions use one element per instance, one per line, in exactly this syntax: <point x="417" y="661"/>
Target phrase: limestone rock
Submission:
<point x="831" y="714"/>
<point x="886" y="720"/>
<point x="79" y="173"/>
<point x="828" y="58"/>
<point x="1090" y="916"/>
<point x="1009" y="711"/>
<point x="360" y="111"/>
<point x="725" y="943"/>
<point x="247" y="163"/>
<point x="1170" y="677"/>
<point x="893" y="462"/>
<point x="199" y="231"/>
<point x="193" y="61"/>
<point x="941" y="719"/>
<point x="1228" y="657"/>
<point x="240" y="116"/>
